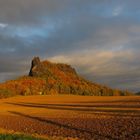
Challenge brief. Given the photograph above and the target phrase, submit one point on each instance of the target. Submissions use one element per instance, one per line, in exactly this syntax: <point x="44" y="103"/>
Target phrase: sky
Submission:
<point x="100" y="38"/>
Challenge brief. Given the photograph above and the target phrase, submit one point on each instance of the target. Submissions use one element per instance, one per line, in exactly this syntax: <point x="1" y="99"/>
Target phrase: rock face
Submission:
<point x="35" y="62"/>
<point x="47" y="69"/>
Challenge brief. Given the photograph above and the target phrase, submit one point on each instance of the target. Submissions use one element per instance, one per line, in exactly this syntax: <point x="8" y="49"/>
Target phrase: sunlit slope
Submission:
<point x="55" y="78"/>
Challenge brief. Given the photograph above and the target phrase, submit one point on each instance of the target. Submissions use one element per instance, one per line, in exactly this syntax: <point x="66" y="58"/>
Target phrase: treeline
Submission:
<point x="138" y="93"/>
<point x="38" y="86"/>
<point x="22" y="86"/>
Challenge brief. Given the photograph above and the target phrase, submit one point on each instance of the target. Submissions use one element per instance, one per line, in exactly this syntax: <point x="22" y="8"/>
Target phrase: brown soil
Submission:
<point x="73" y="116"/>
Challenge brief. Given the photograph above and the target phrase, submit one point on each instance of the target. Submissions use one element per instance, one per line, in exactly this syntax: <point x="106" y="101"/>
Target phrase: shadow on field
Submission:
<point x="87" y="105"/>
<point x="60" y="124"/>
<point x="50" y="122"/>
<point x="75" y="107"/>
<point x="115" y="101"/>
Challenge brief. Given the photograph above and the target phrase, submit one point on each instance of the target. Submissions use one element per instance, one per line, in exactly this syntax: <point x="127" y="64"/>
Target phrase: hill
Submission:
<point x="138" y="93"/>
<point x="54" y="78"/>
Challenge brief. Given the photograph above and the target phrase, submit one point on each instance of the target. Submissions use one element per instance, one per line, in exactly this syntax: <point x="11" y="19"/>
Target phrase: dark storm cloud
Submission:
<point x="27" y="11"/>
<point x="102" y="35"/>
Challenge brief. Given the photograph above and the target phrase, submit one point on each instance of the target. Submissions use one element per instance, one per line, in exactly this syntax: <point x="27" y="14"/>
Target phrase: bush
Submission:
<point x="5" y="93"/>
<point x="17" y="137"/>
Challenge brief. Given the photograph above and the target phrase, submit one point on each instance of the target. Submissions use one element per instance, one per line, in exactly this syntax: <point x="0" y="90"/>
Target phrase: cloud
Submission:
<point x="117" y="11"/>
<point x="3" y="25"/>
<point x="100" y="38"/>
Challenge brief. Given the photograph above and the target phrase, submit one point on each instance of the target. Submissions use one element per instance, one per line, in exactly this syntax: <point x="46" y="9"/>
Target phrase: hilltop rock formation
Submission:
<point x="45" y="68"/>
<point x="62" y="78"/>
<point x="35" y="62"/>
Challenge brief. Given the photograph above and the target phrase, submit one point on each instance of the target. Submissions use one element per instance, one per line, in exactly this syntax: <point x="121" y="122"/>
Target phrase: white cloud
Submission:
<point x="117" y="11"/>
<point x="101" y="62"/>
<point x="3" y="25"/>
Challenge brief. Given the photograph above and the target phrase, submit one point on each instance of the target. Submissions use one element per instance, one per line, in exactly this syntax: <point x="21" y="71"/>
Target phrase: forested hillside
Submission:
<point x="51" y="78"/>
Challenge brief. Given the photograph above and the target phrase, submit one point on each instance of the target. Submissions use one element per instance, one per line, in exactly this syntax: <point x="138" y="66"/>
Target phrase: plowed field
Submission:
<point x="80" y="117"/>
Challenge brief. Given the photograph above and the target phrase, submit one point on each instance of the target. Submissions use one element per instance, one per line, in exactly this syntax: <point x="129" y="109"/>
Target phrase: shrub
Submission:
<point x="5" y="93"/>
